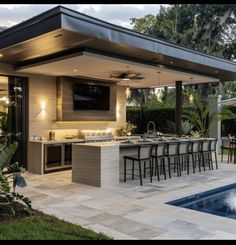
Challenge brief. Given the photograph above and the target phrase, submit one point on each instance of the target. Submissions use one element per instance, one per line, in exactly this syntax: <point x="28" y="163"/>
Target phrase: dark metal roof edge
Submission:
<point x="66" y="11"/>
<point x="125" y="30"/>
<point x="29" y="22"/>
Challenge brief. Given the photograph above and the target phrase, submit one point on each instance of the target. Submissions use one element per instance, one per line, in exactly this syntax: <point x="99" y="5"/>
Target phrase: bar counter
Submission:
<point x="100" y="163"/>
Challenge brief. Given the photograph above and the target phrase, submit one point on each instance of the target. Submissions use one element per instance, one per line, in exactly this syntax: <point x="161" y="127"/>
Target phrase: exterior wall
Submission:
<point x="42" y="111"/>
<point x="65" y="111"/>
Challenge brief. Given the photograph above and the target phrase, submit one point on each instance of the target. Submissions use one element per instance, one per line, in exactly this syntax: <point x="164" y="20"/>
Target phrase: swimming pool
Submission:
<point x="220" y="201"/>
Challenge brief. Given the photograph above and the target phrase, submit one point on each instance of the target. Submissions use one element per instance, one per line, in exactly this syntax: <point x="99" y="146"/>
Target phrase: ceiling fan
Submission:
<point x="127" y="75"/>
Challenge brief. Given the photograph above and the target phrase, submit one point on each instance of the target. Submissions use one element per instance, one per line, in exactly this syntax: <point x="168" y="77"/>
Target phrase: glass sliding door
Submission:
<point x="14" y="95"/>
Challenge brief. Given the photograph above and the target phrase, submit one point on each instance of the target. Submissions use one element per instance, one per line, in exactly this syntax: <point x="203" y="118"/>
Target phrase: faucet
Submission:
<point x="148" y="128"/>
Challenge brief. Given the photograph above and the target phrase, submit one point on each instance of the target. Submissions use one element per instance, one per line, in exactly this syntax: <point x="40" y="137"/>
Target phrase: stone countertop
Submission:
<point x="111" y="143"/>
<point x="123" y="144"/>
<point x="57" y="141"/>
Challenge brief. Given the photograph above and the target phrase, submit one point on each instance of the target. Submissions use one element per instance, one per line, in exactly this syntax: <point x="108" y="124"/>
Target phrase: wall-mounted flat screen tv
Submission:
<point x="91" y="97"/>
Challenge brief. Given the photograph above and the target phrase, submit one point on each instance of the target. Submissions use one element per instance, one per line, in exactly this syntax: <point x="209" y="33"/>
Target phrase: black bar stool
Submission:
<point x="194" y="152"/>
<point x="213" y="151"/>
<point x="183" y="154"/>
<point x="144" y="154"/>
<point x="173" y="153"/>
<point x="160" y="154"/>
<point x="206" y="153"/>
<point x="226" y="145"/>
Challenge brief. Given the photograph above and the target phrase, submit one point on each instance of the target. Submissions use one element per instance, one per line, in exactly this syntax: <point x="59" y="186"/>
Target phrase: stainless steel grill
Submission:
<point x="103" y="138"/>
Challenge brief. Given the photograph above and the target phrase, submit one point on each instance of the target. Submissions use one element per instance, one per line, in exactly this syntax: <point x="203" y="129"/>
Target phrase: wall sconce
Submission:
<point x="43" y="105"/>
<point x="117" y="111"/>
<point x="42" y="110"/>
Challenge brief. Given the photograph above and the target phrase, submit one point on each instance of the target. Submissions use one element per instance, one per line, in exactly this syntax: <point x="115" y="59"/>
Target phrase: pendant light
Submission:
<point x="127" y="91"/>
<point x="158" y="93"/>
<point x="191" y="95"/>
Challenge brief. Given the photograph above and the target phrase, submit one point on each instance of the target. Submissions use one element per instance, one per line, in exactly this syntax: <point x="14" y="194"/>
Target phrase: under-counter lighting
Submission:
<point x="97" y="132"/>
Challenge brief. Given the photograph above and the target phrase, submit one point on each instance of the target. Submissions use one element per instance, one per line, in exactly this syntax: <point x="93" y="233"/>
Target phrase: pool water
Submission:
<point x="220" y="201"/>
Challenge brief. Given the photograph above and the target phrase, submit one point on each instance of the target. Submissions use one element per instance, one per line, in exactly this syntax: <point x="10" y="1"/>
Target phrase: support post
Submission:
<point x="178" y="107"/>
<point x="215" y="129"/>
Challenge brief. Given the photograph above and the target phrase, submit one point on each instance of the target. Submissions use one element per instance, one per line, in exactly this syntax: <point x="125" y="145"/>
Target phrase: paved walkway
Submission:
<point x="129" y="211"/>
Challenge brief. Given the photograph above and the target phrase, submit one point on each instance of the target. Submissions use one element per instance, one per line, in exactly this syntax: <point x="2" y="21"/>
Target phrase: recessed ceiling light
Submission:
<point x="216" y="71"/>
<point x="75" y="70"/>
<point x="171" y="62"/>
<point x="1" y="55"/>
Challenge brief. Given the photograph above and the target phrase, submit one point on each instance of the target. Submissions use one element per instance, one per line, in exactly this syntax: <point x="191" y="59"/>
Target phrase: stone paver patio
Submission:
<point x="129" y="211"/>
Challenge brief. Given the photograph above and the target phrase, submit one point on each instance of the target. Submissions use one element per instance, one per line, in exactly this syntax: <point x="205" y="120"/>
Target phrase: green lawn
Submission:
<point x="46" y="227"/>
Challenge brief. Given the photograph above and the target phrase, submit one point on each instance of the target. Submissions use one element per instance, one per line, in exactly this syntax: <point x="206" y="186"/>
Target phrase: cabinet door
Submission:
<point x="53" y="156"/>
<point x="68" y="154"/>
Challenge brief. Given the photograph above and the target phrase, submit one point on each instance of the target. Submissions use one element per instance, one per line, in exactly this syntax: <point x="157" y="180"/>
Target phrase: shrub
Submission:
<point x="11" y="202"/>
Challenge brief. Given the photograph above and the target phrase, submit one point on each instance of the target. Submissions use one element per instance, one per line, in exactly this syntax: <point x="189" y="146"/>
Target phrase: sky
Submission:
<point x="119" y="14"/>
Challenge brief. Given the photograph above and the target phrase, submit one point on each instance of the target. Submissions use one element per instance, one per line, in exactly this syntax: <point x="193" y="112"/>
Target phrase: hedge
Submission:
<point x="163" y="118"/>
<point x="229" y="126"/>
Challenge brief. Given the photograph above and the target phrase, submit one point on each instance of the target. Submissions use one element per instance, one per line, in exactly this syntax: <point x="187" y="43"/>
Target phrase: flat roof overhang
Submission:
<point x="61" y="31"/>
<point x="80" y="64"/>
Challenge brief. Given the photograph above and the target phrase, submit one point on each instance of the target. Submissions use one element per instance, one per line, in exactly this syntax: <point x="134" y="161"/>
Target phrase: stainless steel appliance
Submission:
<point x="99" y="138"/>
<point x="57" y="157"/>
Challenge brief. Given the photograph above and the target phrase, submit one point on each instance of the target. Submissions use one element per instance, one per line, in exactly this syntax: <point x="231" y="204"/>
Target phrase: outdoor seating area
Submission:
<point x="161" y="159"/>
<point x="119" y="130"/>
<point x="229" y="147"/>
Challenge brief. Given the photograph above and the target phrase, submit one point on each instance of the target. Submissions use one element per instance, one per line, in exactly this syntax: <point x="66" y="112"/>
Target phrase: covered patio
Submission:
<point x="75" y="43"/>
<point x="61" y="48"/>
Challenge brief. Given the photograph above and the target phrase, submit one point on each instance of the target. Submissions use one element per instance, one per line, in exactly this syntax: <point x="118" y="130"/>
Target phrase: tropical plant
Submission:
<point x="202" y="114"/>
<point x="127" y="129"/>
<point x="3" y="121"/>
<point x="140" y="97"/>
<point x="187" y="127"/>
<point x="11" y="202"/>
<point x="196" y="134"/>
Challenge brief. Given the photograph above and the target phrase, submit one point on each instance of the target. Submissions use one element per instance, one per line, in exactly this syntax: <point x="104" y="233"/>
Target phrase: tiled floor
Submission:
<point x="129" y="211"/>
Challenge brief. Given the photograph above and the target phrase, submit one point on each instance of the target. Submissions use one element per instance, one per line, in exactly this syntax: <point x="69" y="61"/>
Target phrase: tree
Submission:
<point x="139" y="97"/>
<point x="165" y="100"/>
<point x="227" y="90"/>
<point x="210" y="28"/>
